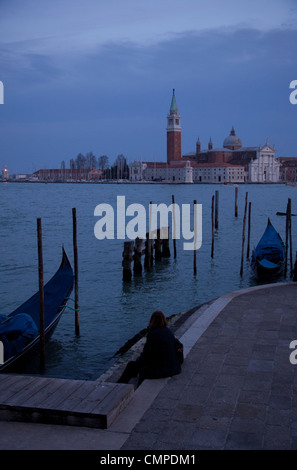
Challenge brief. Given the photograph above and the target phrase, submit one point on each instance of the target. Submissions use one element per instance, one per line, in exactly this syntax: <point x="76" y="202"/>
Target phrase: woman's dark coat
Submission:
<point x="159" y="357"/>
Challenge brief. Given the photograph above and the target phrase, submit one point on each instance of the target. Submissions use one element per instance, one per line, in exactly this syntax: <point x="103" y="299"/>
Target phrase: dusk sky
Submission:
<point x="98" y="76"/>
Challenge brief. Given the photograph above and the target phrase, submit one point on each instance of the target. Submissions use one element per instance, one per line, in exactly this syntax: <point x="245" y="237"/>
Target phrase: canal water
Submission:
<point x="111" y="311"/>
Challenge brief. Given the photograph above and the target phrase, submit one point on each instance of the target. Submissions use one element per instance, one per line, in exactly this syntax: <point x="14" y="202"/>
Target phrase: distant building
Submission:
<point x="5" y="174"/>
<point x="259" y="162"/>
<point x="24" y="177"/>
<point x="69" y="175"/>
<point x="288" y="169"/>
<point x="173" y="133"/>
<point x="218" y="173"/>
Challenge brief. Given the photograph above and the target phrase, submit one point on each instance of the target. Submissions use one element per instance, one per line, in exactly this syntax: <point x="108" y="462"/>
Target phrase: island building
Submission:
<point x="231" y="163"/>
<point x="288" y="169"/>
<point x="68" y="175"/>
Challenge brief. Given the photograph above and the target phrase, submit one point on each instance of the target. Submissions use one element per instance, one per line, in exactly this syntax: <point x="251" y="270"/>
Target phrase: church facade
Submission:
<point x="259" y="162"/>
<point x="231" y="163"/>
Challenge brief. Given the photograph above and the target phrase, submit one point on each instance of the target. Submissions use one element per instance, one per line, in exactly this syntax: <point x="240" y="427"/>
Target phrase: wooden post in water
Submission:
<point x="243" y="233"/>
<point x="174" y="226"/>
<point x="212" y="226"/>
<point x="249" y="232"/>
<point x="165" y="242"/>
<point x="127" y="260"/>
<point x="216" y="210"/>
<point x="75" y="256"/>
<point x="290" y="234"/>
<point x="149" y="252"/>
<point x="195" y="237"/>
<point x="150" y="218"/>
<point x="158" y="246"/>
<point x="288" y="237"/>
<point x="41" y="295"/>
<point x="286" y="242"/>
<point x="137" y="268"/>
<point x="236" y="201"/>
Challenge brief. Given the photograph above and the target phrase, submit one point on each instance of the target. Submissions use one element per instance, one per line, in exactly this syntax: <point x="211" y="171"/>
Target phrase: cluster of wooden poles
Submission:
<point x="215" y="223"/>
<point x="152" y="249"/>
<point x="157" y="243"/>
<point x="41" y="284"/>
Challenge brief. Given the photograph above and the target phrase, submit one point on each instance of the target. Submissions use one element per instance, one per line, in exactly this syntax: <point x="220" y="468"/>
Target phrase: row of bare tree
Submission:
<point x="119" y="170"/>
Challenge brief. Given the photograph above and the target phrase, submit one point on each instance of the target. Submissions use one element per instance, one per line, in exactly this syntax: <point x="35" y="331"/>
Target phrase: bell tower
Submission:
<point x="173" y="132"/>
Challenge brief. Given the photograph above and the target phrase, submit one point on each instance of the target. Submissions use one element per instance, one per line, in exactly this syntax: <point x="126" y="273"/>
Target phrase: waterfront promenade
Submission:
<point x="237" y="389"/>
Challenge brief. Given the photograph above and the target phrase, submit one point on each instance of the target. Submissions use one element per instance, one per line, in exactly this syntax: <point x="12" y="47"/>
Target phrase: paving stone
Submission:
<point x="230" y="380"/>
<point x="195" y="395"/>
<point x="214" y="422"/>
<point x="177" y="432"/>
<point x="256" y="384"/>
<point x="244" y="441"/>
<point x="208" y="439"/>
<point x="187" y="413"/>
<point x="218" y="409"/>
<point x="281" y="402"/>
<point x="247" y="425"/>
<point x="250" y="410"/>
<point x="260" y="365"/>
<point x="254" y="396"/>
<point x="223" y="395"/>
<point x="278" y="417"/>
<point x="277" y="437"/>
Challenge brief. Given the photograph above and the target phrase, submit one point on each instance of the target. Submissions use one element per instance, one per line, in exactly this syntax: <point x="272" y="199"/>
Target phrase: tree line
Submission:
<point x="119" y="169"/>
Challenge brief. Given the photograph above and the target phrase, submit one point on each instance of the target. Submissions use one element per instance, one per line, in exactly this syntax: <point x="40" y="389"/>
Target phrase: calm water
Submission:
<point x="112" y="311"/>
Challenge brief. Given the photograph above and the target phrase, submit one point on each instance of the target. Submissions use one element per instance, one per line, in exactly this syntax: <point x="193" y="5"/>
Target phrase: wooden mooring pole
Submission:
<point x="290" y="234"/>
<point x="149" y="252"/>
<point x="137" y="268"/>
<point x="165" y="231"/>
<point x="41" y="295"/>
<point x="288" y="244"/>
<point x="174" y="227"/>
<point x="243" y="234"/>
<point x="158" y="246"/>
<point x="236" y="201"/>
<point x="127" y="260"/>
<point x="216" y="210"/>
<point x="212" y="226"/>
<point x="195" y="237"/>
<point x="249" y="232"/>
<point x="75" y="255"/>
<point x="286" y="241"/>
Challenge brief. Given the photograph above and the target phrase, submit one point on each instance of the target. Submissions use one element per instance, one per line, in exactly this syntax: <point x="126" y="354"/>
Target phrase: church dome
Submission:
<point x="232" y="141"/>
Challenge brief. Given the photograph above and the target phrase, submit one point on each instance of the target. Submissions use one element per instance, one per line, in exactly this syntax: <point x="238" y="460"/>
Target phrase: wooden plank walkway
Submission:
<point x="62" y="401"/>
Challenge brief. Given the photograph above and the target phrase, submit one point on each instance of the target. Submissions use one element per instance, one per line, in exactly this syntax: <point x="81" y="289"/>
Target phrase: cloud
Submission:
<point x="80" y="101"/>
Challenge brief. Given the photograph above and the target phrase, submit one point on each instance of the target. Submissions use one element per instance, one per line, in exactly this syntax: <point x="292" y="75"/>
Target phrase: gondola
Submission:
<point x="19" y="331"/>
<point x="269" y="255"/>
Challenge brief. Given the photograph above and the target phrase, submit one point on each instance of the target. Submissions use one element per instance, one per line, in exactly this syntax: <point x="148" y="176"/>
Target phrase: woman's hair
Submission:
<point x="158" y="320"/>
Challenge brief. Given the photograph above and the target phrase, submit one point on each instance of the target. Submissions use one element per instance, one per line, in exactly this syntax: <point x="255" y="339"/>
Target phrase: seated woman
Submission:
<point x="160" y="357"/>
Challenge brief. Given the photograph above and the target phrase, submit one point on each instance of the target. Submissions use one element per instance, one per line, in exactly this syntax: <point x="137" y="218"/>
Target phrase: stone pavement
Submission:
<point x="237" y="389"/>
